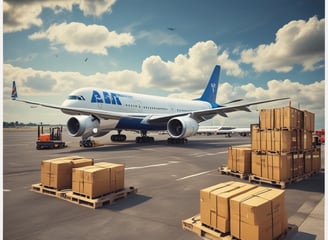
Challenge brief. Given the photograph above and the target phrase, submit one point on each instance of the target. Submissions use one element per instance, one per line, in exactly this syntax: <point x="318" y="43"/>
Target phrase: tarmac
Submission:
<point x="168" y="179"/>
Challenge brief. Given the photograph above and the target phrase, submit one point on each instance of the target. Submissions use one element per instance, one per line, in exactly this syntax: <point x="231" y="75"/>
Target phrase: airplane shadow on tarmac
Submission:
<point x="131" y="145"/>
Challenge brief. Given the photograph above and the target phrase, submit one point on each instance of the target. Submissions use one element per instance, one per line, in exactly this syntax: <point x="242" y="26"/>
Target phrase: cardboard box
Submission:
<point x="277" y="140"/>
<point x="260" y="165"/>
<point x="91" y="181"/>
<point x="116" y="174"/>
<point x="309" y="121"/>
<point x="205" y="201"/>
<point x="255" y="137"/>
<point x="258" y="213"/>
<point x="280" y="166"/>
<point x="308" y="161"/>
<point x="267" y="119"/>
<point x="298" y="164"/>
<point x="215" y="207"/>
<point x="282" y="141"/>
<point x="316" y="160"/>
<point x="258" y="142"/>
<point x="289" y="117"/>
<point x="239" y="159"/>
<point x="57" y="173"/>
<point x="307" y="140"/>
<point x="274" y="166"/>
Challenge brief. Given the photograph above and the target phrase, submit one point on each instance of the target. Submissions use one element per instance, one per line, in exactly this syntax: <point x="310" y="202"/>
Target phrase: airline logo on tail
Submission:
<point x="14" y="91"/>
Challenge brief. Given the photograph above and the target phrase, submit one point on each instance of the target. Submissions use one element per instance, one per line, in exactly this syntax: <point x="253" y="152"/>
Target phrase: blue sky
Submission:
<point x="266" y="49"/>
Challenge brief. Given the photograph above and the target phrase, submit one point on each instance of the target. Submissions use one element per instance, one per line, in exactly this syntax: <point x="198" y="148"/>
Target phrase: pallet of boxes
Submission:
<point x="81" y="181"/>
<point x="239" y="162"/>
<point x="282" y="149"/>
<point x="235" y="210"/>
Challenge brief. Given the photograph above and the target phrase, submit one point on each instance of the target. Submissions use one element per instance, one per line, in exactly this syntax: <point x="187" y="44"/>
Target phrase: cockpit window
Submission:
<point x="74" y="97"/>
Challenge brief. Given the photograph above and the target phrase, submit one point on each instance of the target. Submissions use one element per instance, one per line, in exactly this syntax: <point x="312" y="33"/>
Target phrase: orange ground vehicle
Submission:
<point x="51" y="139"/>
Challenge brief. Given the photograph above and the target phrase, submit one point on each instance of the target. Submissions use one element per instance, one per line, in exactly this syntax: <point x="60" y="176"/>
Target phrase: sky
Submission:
<point x="266" y="49"/>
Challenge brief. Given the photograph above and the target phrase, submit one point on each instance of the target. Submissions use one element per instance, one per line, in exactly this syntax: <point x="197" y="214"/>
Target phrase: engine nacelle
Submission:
<point x="84" y="126"/>
<point x="182" y="127"/>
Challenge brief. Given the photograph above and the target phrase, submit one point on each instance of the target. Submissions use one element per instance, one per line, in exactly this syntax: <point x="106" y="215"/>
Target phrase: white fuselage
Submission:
<point x="138" y="105"/>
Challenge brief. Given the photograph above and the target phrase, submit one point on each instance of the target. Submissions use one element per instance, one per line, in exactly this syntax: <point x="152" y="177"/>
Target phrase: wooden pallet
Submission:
<point x="227" y="171"/>
<point x="194" y="224"/>
<point x="39" y="188"/>
<point x="281" y="184"/>
<point x="101" y="201"/>
<point x="81" y="200"/>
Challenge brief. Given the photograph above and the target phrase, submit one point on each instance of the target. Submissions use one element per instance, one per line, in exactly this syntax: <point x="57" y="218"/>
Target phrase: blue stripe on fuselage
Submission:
<point x="135" y="124"/>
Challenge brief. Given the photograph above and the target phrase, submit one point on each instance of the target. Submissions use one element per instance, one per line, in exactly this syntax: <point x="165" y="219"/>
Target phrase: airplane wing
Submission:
<point x="85" y="111"/>
<point x="202" y="115"/>
<point x="199" y="116"/>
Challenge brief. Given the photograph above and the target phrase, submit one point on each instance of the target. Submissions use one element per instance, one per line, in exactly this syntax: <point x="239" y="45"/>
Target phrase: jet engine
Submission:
<point x="85" y="126"/>
<point x="182" y="127"/>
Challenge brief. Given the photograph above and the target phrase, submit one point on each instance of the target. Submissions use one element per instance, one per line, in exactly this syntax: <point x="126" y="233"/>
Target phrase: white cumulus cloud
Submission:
<point x="21" y="15"/>
<point x="188" y="71"/>
<point x="297" y="43"/>
<point x="78" y="37"/>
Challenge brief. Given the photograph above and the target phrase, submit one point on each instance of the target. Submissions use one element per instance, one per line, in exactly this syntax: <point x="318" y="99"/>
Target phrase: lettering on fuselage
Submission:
<point x="106" y="97"/>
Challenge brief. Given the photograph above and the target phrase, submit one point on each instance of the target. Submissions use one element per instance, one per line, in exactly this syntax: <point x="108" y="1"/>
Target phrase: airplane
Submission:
<point x="228" y="131"/>
<point x="97" y="111"/>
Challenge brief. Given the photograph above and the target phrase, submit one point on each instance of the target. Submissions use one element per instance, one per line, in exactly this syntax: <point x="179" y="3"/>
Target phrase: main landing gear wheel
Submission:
<point x="177" y="140"/>
<point x="87" y="143"/>
<point x="118" y="138"/>
<point x="144" y="138"/>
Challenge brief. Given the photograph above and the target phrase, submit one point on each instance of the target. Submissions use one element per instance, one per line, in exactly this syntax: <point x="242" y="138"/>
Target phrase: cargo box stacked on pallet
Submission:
<point x="82" y="176"/>
<point x="97" y="180"/>
<point x="239" y="159"/>
<point x="242" y="211"/>
<point x="57" y="173"/>
<point x="282" y="147"/>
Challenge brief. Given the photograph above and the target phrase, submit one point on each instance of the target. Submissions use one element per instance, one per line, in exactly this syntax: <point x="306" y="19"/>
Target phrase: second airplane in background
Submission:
<point x="97" y="111"/>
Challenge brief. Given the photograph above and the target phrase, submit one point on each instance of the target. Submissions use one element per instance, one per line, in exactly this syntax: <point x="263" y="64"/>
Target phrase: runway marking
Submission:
<point x="208" y="154"/>
<point x="151" y="166"/>
<point x="6" y="190"/>
<point x="194" y="175"/>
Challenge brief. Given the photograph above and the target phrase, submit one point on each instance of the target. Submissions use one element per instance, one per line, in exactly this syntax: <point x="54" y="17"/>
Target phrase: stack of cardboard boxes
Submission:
<point x="245" y="211"/>
<point x="57" y="173"/>
<point x="282" y="144"/>
<point x="99" y="179"/>
<point x="239" y="159"/>
<point x="82" y="176"/>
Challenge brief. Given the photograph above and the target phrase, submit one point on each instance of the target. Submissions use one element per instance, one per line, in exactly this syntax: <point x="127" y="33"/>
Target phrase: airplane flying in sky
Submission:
<point x="97" y="111"/>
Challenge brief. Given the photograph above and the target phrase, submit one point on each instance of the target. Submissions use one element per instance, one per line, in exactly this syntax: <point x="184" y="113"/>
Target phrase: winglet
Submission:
<point x="14" y="91"/>
<point x="209" y="94"/>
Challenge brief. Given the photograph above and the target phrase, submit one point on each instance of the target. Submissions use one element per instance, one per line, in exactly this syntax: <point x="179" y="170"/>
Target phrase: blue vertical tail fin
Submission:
<point x="14" y="91"/>
<point x="209" y="94"/>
